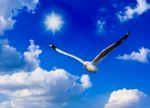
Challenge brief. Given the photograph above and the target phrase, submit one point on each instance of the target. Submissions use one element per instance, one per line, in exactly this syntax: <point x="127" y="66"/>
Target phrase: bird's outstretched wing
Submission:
<point x="65" y="53"/>
<point x="108" y="49"/>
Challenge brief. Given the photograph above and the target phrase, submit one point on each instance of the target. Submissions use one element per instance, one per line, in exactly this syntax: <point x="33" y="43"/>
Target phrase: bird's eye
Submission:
<point x="84" y="65"/>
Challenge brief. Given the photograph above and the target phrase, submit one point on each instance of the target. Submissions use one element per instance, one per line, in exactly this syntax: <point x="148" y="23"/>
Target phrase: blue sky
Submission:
<point x="33" y="75"/>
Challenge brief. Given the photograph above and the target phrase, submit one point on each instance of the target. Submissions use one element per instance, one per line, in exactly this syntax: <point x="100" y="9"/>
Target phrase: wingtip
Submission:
<point x="128" y="33"/>
<point x="52" y="46"/>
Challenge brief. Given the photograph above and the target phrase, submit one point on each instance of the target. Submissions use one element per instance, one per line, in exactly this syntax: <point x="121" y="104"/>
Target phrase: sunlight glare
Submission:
<point x="54" y="22"/>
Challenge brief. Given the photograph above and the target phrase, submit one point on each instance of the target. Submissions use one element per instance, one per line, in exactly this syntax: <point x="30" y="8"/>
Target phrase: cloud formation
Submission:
<point x="100" y="26"/>
<point x="125" y="98"/>
<point x="10" y="8"/>
<point x="27" y="85"/>
<point x="13" y="60"/>
<point x="129" y="13"/>
<point x="41" y="88"/>
<point x="31" y="57"/>
<point x="141" y="56"/>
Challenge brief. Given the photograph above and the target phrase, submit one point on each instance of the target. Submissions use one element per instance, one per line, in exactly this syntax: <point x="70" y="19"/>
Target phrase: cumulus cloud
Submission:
<point x="141" y="56"/>
<point x="85" y="80"/>
<point x="13" y="60"/>
<point x="5" y="24"/>
<point x="10" y="58"/>
<point x="129" y="13"/>
<point x="125" y="98"/>
<point x="24" y="84"/>
<point x="41" y="88"/>
<point x="31" y="57"/>
<point x="10" y="8"/>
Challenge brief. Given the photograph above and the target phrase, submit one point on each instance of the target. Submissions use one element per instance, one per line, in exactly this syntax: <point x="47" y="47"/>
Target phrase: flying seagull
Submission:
<point x="91" y="65"/>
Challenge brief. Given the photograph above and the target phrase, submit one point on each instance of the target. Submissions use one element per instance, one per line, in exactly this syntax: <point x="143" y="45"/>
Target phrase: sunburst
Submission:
<point x="54" y="22"/>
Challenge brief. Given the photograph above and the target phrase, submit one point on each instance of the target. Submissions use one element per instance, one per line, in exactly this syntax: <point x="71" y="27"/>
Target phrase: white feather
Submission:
<point x="70" y="55"/>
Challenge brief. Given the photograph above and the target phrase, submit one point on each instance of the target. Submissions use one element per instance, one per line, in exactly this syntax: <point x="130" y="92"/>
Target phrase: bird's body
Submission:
<point x="91" y="65"/>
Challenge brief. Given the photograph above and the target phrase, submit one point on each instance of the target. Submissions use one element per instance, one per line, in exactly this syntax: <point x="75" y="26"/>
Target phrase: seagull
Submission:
<point x="91" y="66"/>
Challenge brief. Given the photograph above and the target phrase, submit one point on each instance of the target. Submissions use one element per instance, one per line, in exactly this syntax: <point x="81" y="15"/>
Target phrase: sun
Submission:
<point x="54" y="22"/>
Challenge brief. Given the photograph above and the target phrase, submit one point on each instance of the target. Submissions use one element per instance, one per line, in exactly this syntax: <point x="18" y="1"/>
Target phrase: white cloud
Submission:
<point x="129" y="13"/>
<point x="141" y="56"/>
<point x="125" y="98"/>
<point x="5" y="24"/>
<point x="40" y="88"/>
<point x="31" y="57"/>
<point x="86" y="81"/>
<point x="100" y="26"/>
<point x="26" y="85"/>
<point x="12" y="60"/>
<point x="9" y="8"/>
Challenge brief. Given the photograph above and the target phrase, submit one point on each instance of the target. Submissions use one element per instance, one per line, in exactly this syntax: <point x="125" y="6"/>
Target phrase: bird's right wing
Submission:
<point x="65" y="53"/>
<point x="108" y="49"/>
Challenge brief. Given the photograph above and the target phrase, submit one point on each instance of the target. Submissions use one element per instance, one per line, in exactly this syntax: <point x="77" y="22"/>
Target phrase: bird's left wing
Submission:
<point x="108" y="49"/>
<point x="65" y="53"/>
